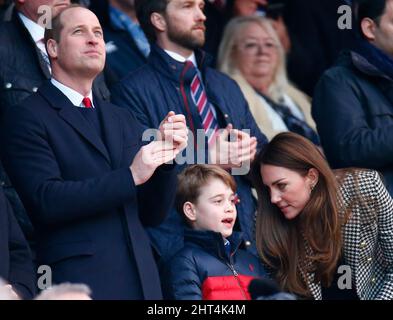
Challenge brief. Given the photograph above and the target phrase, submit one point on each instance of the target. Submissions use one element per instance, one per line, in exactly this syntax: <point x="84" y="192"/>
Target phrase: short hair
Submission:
<point x="52" y="293"/>
<point x="373" y="9"/>
<point x="56" y="25"/>
<point x="144" y="10"/>
<point x="194" y="178"/>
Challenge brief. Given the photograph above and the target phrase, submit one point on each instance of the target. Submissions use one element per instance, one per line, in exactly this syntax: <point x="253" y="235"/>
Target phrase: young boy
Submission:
<point x="211" y="266"/>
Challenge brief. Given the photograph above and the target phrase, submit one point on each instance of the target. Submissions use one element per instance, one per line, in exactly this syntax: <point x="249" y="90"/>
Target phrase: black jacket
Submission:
<point x="353" y="110"/>
<point x="16" y="266"/>
<point x="78" y="187"/>
<point x="22" y="71"/>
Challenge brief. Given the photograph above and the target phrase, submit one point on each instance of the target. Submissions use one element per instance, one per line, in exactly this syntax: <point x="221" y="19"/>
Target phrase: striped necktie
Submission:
<point x="41" y="46"/>
<point x="205" y="108"/>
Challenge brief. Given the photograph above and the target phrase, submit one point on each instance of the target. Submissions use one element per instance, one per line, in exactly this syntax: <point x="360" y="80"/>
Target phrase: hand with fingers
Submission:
<point x="150" y="157"/>
<point x="174" y="129"/>
<point x="232" y="153"/>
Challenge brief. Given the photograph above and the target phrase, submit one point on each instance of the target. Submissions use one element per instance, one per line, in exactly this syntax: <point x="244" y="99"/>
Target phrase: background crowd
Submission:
<point x="273" y="85"/>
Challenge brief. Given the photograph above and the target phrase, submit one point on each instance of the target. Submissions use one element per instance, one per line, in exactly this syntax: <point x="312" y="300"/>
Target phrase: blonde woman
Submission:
<point x="251" y="53"/>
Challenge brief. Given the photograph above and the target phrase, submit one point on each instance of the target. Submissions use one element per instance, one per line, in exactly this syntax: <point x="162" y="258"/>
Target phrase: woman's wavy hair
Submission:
<point x="312" y="242"/>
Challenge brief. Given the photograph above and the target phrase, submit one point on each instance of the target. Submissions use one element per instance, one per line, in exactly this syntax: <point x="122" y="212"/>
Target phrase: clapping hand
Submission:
<point x="232" y="154"/>
<point x="172" y="140"/>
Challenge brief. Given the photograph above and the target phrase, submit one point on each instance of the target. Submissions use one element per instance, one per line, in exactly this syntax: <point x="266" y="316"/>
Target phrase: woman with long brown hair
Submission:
<point x="324" y="234"/>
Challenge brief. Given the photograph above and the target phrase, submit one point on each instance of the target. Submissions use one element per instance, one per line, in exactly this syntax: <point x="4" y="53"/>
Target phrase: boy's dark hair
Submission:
<point x="373" y="9"/>
<point x="195" y="177"/>
<point x="144" y="10"/>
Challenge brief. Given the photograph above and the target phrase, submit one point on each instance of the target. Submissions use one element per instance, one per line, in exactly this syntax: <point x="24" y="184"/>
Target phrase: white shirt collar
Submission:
<point x="36" y="31"/>
<point x="74" y="96"/>
<point x="181" y="59"/>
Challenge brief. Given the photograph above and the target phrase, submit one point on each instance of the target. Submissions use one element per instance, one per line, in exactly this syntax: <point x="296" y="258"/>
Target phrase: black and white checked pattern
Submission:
<point x="368" y="237"/>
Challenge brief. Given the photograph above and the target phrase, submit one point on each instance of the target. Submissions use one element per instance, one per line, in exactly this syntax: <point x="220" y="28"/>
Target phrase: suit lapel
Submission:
<point x="73" y="117"/>
<point x="112" y="131"/>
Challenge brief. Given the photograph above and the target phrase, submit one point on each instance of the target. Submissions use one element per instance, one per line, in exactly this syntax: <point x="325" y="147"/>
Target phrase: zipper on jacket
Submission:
<point x="236" y="275"/>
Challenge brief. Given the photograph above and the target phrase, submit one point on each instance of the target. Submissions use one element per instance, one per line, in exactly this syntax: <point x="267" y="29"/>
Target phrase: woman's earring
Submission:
<point x="312" y="186"/>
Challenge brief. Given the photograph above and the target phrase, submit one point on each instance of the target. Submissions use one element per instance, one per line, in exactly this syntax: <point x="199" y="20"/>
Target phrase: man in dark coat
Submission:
<point x="16" y="266"/>
<point x="24" y="67"/>
<point x="176" y="30"/>
<point x="353" y="102"/>
<point x="80" y="168"/>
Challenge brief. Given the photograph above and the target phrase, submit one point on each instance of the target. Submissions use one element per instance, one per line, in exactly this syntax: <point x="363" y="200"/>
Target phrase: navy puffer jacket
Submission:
<point x="203" y="270"/>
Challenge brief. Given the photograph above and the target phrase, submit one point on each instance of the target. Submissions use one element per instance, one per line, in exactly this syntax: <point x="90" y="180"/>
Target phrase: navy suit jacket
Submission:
<point x="16" y="266"/>
<point x="88" y="213"/>
<point x="22" y="71"/>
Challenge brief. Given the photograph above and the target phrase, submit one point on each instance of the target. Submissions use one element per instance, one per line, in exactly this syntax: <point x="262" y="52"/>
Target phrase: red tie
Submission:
<point x="87" y="102"/>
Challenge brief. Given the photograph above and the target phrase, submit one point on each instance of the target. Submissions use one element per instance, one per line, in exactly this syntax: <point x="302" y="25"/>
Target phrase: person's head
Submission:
<point x="251" y="46"/>
<point x="30" y="8"/>
<point x="177" y="25"/>
<point x="297" y="200"/>
<point x="75" y="44"/>
<point x="66" y="291"/>
<point x="375" y="22"/>
<point x="247" y="7"/>
<point x="206" y="198"/>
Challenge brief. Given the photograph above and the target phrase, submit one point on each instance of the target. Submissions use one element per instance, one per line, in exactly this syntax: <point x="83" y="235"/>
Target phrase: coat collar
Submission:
<point x="213" y="241"/>
<point x="171" y="68"/>
<point x="70" y="114"/>
<point x="176" y="73"/>
<point x="365" y="66"/>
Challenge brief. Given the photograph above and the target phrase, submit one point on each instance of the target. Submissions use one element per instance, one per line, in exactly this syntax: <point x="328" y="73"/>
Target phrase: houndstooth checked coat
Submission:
<point x="368" y="238"/>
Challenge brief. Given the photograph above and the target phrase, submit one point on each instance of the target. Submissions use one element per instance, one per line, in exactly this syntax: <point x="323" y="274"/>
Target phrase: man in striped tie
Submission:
<point x="178" y="77"/>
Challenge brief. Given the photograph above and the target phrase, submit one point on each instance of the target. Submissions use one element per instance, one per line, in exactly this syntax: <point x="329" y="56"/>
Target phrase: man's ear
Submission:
<point x="158" y="21"/>
<point x="51" y="47"/>
<point x="189" y="211"/>
<point x="368" y="27"/>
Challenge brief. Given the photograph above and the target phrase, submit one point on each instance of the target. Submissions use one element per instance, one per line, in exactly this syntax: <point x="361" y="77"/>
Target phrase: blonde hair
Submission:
<point x="227" y="64"/>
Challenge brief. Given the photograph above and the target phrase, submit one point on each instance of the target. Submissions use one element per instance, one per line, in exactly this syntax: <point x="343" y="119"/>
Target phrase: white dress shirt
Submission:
<point x="74" y="96"/>
<point x="181" y="59"/>
<point x="36" y="31"/>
